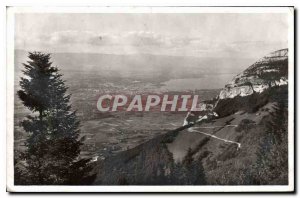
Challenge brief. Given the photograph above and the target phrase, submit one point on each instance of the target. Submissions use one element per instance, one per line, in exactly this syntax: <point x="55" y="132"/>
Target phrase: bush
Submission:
<point x="229" y="153"/>
<point x="245" y="125"/>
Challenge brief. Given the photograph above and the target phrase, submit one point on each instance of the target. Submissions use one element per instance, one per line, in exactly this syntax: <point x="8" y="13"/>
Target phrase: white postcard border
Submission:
<point x="10" y="99"/>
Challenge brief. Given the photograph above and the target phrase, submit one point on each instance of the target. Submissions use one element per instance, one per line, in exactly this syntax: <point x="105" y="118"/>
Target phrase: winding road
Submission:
<point x="193" y="130"/>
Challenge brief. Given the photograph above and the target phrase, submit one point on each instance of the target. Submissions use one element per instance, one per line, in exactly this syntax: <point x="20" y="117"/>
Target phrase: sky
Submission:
<point x="200" y="34"/>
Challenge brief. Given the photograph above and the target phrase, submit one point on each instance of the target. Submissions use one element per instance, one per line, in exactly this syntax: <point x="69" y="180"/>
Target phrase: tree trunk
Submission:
<point x="41" y="114"/>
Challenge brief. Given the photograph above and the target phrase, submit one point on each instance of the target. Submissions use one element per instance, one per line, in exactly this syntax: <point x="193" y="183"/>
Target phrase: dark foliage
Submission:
<point x="271" y="165"/>
<point x="229" y="152"/>
<point x="272" y="162"/>
<point x="199" y="145"/>
<point x="151" y="164"/>
<point x="251" y="103"/>
<point x="52" y="146"/>
<point x="245" y="125"/>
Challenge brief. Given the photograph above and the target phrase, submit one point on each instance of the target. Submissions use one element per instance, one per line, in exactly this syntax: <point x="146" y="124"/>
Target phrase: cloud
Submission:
<point x="133" y="42"/>
<point x="64" y="37"/>
<point x="133" y="38"/>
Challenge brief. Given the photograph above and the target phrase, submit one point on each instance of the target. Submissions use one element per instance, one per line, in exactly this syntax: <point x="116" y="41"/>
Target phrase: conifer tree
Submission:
<point x="192" y="170"/>
<point x="188" y="159"/>
<point x="53" y="145"/>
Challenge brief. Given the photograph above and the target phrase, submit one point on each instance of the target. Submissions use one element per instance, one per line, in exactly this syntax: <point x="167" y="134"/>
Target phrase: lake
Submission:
<point x="215" y="81"/>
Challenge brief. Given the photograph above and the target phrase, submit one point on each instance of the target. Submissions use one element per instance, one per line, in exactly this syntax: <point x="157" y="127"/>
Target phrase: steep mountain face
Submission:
<point x="228" y="142"/>
<point x="271" y="70"/>
<point x="268" y="72"/>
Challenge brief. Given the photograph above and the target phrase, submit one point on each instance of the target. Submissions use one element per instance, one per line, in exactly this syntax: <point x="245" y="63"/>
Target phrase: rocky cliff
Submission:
<point x="271" y="70"/>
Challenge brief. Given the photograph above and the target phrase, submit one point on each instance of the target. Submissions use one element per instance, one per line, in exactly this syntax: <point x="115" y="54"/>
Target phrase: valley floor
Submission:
<point x="224" y="148"/>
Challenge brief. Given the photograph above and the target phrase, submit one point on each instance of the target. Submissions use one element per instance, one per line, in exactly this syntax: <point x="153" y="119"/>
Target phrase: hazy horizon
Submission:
<point x="176" y="34"/>
<point x="172" y="46"/>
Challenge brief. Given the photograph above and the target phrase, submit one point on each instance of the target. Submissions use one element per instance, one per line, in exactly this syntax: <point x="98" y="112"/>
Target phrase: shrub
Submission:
<point x="245" y="125"/>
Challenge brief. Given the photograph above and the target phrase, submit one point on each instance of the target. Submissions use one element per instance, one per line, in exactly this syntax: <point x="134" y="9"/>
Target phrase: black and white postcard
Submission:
<point x="150" y="99"/>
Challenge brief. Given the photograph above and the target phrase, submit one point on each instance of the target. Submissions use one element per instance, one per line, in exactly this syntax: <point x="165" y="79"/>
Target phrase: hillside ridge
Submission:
<point x="215" y="146"/>
<point x="267" y="72"/>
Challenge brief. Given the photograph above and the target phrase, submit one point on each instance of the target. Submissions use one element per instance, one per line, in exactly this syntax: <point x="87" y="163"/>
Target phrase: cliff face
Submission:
<point x="271" y="70"/>
<point x="268" y="72"/>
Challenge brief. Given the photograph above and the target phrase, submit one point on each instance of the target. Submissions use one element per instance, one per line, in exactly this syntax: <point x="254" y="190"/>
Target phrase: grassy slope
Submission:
<point x="223" y="162"/>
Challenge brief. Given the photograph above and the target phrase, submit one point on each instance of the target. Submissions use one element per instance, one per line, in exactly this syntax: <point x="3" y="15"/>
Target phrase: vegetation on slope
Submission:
<point x="151" y="164"/>
<point x="252" y="102"/>
<point x="211" y="161"/>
